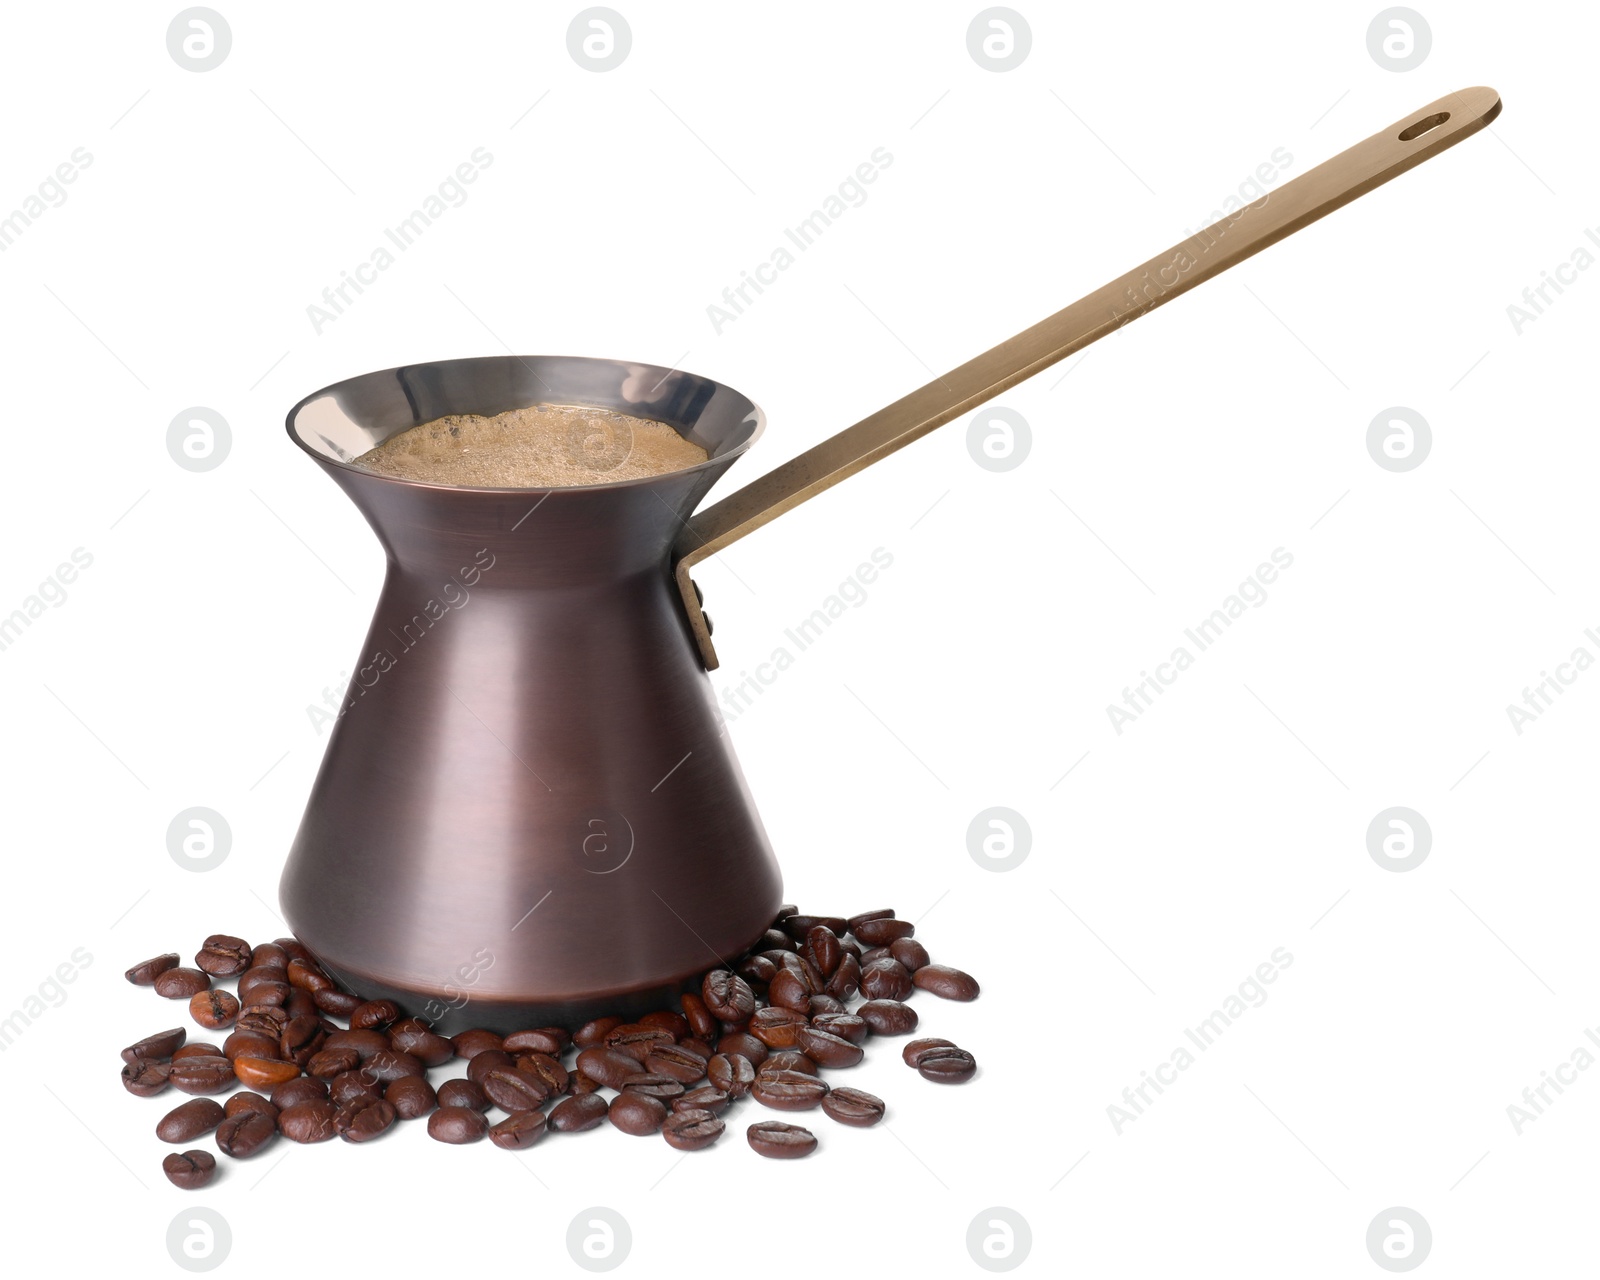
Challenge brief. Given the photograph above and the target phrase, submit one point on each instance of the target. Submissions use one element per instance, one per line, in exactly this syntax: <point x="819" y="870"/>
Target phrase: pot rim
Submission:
<point x="718" y="461"/>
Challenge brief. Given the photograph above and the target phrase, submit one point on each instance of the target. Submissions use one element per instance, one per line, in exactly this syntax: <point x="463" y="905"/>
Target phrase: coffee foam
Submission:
<point x="543" y="446"/>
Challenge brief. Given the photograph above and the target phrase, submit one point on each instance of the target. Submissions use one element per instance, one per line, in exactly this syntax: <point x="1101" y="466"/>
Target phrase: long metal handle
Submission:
<point x="1387" y="154"/>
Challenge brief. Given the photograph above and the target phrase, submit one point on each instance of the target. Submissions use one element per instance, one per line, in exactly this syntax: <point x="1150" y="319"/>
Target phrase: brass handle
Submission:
<point x="1299" y="202"/>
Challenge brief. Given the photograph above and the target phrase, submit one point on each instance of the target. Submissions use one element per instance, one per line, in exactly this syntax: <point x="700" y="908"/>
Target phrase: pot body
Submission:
<point x="529" y="811"/>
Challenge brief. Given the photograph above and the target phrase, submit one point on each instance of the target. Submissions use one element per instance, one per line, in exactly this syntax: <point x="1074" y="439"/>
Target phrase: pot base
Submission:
<point x="450" y="1012"/>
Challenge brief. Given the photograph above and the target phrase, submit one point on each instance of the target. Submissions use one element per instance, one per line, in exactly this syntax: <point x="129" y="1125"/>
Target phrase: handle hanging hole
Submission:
<point x="1423" y="126"/>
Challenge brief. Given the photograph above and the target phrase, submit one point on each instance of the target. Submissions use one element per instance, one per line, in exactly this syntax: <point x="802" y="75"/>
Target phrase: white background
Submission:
<point x="1173" y="858"/>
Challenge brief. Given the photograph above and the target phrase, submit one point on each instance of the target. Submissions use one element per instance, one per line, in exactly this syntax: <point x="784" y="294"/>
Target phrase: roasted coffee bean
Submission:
<point x="702" y="1022"/>
<point x="654" y="1086"/>
<point x="593" y="1033"/>
<point x="340" y="1004"/>
<point x="788" y="1060"/>
<point x="784" y="911"/>
<point x="264" y="1023"/>
<point x="584" y="1111"/>
<point x="145" y="1077"/>
<point x="263" y="1073"/>
<point x="756" y="970"/>
<point x="637" y="1040"/>
<point x="607" y="1066"/>
<point x="188" y="1120"/>
<point x="883" y="931"/>
<point x="705" y="1098"/>
<point x="855" y="922"/>
<point x="846" y="979"/>
<point x="548" y="1069"/>
<point x="909" y="952"/>
<point x="269" y="955"/>
<point x="242" y="1135"/>
<point x="888" y="1017"/>
<point x="247" y="1101"/>
<point x="292" y="1093"/>
<point x="267" y="991"/>
<point x="362" y="1121"/>
<point x="691" y="1130"/>
<point x="266" y="994"/>
<point x="822" y="949"/>
<point x="803" y="969"/>
<point x="469" y="1044"/>
<point x="147" y="971"/>
<point x="582" y="1084"/>
<point x="779" y="1141"/>
<point x="914" y="1051"/>
<point x="789" y="990"/>
<point x="294" y="949"/>
<point x="829" y="1050"/>
<point x="847" y="1025"/>
<point x="162" y="1045"/>
<point x="947" y="1066"/>
<point x="519" y="1130"/>
<point x="411" y="1097"/>
<point x="366" y="1043"/>
<point x="513" y="1090"/>
<point x="539" y="1041"/>
<point x="727" y="995"/>
<point x="180" y="984"/>
<point x="189" y="1170"/>
<point x="309" y="1121"/>
<point x="374" y="1015"/>
<point x="258" y="973"/>
<point x="777" y="1028"/>
<point x="788" y="1090"/>
<point x="247" y="1044"/>
<point x="457" y="1125"/>
<point x="223" y="956"/>
<point x="797" y="926"/>
<point x="850" y="947"/>
<point x="265" y="1019"/>
<point x="875" y="953"/>
<point x="354" y="1086"/>
<point x="203" y="1075"/>
<point x="214" y="1010"/>
<point x="854" y="1107"/>
<point x="487" y="1061"/>
<point x="885" y="979"/>
<point x="674" y="1024"/>
<point x="700" y="1048"/>
<point x="677" y="1062"/>
<point x="328" y="1063"/>
<point x="460" y="1093"/>
<point x="389" y="1065"/>
<point x="262" y="1020"/>
<point x="774" y="940"/>
<point x="637" y="1113"/>
<point x="945" y="982"/>
<point x="414" y="1036"/>
<point x="308" y="976"/>
<point x="820" y="1005"/>
<point x="732" y="1073"/>
<point x="745" y="1045"/>
<point x="198" y="1049"/>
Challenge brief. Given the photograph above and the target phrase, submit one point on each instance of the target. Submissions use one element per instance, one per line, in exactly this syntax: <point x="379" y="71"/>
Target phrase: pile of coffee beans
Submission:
<point x="807" y="998"/>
